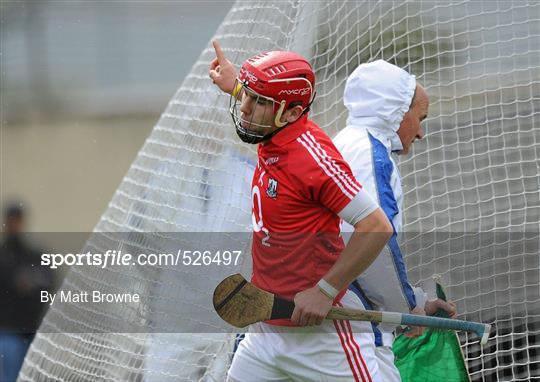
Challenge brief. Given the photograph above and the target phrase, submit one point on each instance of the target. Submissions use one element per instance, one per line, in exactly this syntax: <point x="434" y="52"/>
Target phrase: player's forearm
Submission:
<point x="370" y="236"/>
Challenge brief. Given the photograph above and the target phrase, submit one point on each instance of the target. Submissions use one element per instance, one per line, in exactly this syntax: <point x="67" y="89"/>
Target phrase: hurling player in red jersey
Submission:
<point x="301" y="189"/>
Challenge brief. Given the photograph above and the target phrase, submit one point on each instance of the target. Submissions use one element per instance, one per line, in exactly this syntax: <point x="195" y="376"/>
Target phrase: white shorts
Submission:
<point x="388" y="371"/>
<point x="334" y="351"/>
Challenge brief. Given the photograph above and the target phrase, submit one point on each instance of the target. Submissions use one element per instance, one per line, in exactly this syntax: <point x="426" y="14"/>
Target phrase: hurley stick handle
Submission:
<point x="354" y="315"/>
<point x="482" y="330"/>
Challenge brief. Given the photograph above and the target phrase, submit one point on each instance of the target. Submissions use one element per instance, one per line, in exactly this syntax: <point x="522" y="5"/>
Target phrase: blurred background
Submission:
<point x="82" y="85"/>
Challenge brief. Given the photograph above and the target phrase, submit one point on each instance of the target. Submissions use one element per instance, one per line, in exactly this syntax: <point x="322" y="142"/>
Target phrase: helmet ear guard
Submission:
<point x="279" y="113"/>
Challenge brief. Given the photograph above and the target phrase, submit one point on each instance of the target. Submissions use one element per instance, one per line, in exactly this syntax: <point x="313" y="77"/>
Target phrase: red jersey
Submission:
<point x="300" y="184"/>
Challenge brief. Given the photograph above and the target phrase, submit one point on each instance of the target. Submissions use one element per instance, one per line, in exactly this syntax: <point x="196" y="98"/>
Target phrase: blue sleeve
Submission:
<point x="383" y="168"/>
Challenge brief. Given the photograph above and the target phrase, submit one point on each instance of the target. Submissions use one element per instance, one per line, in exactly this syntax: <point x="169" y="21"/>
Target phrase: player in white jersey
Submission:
<point x="386" y="107"/>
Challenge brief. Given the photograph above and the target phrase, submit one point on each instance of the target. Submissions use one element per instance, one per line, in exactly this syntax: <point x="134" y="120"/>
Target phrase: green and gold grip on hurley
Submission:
<point x="240" y="303"/>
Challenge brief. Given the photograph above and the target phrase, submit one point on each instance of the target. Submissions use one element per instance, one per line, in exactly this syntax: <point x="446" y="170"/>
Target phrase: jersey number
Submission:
<point x="256" y="215"/>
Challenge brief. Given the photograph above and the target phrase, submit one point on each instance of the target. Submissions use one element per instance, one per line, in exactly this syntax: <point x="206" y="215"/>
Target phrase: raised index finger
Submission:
<point x="219" y="53"/>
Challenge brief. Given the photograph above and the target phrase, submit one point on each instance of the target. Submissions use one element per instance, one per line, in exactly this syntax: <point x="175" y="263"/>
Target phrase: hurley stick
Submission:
<point x="240" y="303"/>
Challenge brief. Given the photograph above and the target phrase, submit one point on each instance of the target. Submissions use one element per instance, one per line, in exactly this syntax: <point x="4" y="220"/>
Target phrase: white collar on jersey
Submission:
<point x="377" y="95"/>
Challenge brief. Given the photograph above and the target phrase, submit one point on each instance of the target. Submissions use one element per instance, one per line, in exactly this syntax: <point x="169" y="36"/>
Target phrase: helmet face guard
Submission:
<point x="259" y="110"/>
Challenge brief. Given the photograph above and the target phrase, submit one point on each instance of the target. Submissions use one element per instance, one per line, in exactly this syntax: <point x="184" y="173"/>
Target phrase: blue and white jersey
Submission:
<point x="377" y="95"/>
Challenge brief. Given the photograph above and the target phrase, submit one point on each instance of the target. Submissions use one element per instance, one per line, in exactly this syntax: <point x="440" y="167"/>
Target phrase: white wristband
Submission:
<point x="327" y="289"/>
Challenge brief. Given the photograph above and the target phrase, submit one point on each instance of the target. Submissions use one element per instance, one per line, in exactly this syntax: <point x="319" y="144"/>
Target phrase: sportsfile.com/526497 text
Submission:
<point x="117" y="257"/>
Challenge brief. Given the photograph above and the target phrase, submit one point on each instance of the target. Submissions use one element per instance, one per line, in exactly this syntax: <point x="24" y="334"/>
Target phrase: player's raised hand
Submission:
<point x="222" y="71"/>
<point x="311" y="307"/>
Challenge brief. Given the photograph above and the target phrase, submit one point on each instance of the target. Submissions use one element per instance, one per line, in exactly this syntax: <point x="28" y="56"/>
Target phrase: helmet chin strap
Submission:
<point x="277" y="119"/>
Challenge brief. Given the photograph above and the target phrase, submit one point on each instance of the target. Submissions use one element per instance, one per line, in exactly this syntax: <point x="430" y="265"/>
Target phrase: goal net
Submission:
<point x="471" y="188"/>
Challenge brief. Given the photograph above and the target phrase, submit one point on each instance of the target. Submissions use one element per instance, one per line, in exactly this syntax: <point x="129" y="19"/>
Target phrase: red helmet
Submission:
<point x="280" y="75"/>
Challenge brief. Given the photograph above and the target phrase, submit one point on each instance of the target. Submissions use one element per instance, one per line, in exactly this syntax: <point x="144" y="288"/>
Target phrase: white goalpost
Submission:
<point x="471" y="188"/>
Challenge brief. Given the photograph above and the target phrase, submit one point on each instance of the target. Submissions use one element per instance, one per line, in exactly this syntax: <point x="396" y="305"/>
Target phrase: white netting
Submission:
<point x="476" y="172"/>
